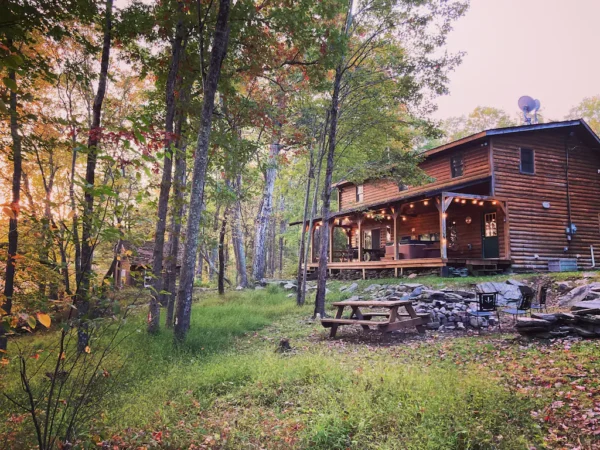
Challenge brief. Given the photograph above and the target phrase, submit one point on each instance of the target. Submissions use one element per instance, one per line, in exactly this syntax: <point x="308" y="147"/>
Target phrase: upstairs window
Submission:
<point x="402" y="187"/>
<point x="359" y="193"/>
<point x="456" y="166"/>
<point x="527" y="161"/>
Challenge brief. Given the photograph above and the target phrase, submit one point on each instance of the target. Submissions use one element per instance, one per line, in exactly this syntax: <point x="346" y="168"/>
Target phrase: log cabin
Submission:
<point x="525" y="197"/>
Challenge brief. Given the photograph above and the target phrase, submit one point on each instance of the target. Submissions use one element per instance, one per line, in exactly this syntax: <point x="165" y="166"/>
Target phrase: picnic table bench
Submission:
<point x="393" y="320"/>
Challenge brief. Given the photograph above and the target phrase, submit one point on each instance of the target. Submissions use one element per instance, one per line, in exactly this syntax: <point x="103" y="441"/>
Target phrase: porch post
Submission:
<point x="312" y="243"/>
<point x="506" y="231"/>
<point x="443" y="242"/>
<point x="360" y="239"/>
<point x="331" y="228"/>
<point x="395" y="215"/>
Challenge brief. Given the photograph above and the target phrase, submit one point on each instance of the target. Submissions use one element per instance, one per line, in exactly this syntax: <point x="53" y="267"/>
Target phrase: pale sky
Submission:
<point x="547" y="49"/>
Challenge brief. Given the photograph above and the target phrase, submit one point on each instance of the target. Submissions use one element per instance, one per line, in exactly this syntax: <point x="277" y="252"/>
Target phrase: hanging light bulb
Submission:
<point x="403" y="218"/>
<point x="481" y="203"/>
<point x="457" y="200"/>
<point x="494" y="202"/>
<point x="426" y="202"/>
<point x="474" y="202"/>
<point x="463" y="201"/>
<point x="412" y="205"/>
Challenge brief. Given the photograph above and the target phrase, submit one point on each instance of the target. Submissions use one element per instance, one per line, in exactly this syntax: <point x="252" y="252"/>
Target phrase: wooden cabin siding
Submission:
<point x="533" y="229"/>
<point x="475" y="164"/>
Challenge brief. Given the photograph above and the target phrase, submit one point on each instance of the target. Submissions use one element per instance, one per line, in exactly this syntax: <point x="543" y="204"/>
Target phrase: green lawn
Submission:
<point x="228" y="388"/>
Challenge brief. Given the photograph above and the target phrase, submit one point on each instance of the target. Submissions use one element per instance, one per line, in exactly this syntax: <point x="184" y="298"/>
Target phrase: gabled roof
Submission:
<point x="580" y="123"/>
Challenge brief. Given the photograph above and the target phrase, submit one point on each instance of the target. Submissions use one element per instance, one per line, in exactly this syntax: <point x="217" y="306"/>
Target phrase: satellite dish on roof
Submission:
<point x="527" y="105"/>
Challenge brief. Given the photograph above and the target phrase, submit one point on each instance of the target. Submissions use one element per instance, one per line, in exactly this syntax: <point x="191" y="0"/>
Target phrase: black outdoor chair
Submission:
<point x="487" y="305"/>
<point x="541" y="304"/>
<point x="524" y="305"/>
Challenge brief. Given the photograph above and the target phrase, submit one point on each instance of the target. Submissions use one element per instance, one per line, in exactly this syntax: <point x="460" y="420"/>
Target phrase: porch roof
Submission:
<point x="412" y="194"/>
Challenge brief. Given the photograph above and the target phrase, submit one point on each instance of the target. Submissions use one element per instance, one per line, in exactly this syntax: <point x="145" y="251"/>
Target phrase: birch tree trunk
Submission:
<point x="184" y="294"/>
<point x="259" y="263"/>
<point x="13" y="233"/>
<point x="87" y="246"/>
<point x="165" y="184"/>
<point x="237" y="236"/>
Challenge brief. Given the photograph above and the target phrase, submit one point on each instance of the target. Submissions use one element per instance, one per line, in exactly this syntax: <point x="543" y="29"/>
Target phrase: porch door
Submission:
<point x="489" y="235"/>
<point x="376" y="239"/>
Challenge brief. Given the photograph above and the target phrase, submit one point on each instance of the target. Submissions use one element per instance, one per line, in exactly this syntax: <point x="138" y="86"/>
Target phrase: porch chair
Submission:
<point x="541" y="300"/>
<point x="524" y="305"/>
<point x="487" y="305"/>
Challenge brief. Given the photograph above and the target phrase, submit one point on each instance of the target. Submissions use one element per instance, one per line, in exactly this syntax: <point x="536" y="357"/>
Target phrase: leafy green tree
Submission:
<point x="588" y="109"/>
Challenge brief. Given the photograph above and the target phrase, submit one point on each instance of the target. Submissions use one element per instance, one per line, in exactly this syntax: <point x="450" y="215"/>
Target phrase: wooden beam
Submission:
<point x="471" y="196"/>
<point x="443" y="240"/>
<point x="331" y="228"/>
<point x="395" y="215"/>
<point x="360" y="239"/>
<point x="506" y="230"/>
<point x="312" y="243"/>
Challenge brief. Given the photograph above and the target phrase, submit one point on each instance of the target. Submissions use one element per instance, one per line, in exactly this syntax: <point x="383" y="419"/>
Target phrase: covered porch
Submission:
<point x="445" y="229"/>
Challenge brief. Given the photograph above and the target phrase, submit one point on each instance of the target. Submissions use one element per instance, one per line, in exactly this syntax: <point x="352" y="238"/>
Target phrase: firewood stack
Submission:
<point x="583" y="320"/>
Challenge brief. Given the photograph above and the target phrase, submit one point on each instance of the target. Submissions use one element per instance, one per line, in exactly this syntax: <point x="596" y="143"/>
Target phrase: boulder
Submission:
<point x="433" y="325"/>
<point x="549" y="317"/>
<point x="581" y="293"/>
<point x="412" y="276"/>
<point x="372" y="287"/>
<point x="351" y="288"/>
<point x="290" y="286"/>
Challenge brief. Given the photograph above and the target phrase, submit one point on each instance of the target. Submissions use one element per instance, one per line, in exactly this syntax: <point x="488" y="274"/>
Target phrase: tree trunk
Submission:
<point x="13" y="233"/>
<point x="324" y="241"/>
<point x="186" y="279"/>
<point x="333" y="120"/>
<point x="237" y="236"/>
<point x="176" y="213"/>
<point x="313" y="212"/>
<point x="281" y="233"/>
<point x="221" y="278"/>
<point x="301" y="259"/>
<point x="165" y="184"/>
<point x="259" y="263"/>
<point x="87" y="245"/>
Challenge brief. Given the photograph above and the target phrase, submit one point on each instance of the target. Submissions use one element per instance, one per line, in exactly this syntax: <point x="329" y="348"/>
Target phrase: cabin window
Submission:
<point x="457" y="166"/>
<point x="527" y="161"/>
<point x="402" y="187"/>
<point x="359" y="193"/>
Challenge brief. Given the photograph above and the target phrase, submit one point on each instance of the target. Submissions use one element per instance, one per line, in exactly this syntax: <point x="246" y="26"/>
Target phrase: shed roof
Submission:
<point x="426" y="190"/>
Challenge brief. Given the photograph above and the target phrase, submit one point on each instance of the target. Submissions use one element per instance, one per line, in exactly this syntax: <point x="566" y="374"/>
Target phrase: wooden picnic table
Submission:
<point x="393" y="320"/>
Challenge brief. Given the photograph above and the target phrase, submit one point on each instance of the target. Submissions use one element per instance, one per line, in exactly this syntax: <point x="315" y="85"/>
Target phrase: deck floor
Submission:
<point x="411" y="263"/>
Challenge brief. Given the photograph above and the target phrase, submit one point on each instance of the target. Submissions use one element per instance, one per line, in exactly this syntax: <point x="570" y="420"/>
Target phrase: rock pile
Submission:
<point x="447" y="309"/>
<point x="583" y="320"/>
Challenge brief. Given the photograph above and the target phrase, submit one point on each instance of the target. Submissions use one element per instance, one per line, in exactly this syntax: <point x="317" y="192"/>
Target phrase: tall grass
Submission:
<point x="227" y="387"/>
